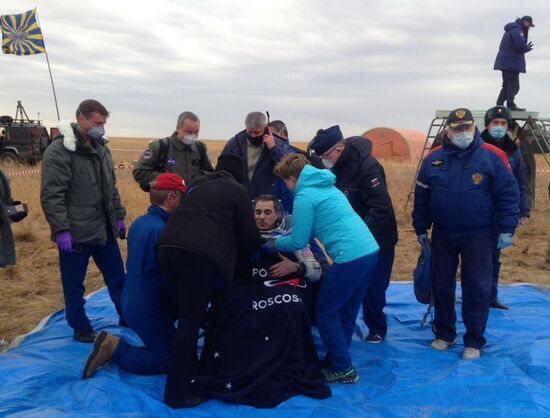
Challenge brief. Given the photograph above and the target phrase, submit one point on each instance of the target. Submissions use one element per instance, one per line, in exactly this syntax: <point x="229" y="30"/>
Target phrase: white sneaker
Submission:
<point x="471" y="353"/>
<point x="439" y="344"/>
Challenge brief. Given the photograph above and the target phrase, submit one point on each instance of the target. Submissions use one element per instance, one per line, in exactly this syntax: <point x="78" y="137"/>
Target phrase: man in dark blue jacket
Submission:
<point x="362" y="179"/>
<point x="497" y="121"/>
<point x="146" y="301"/>
<point x="260" y="151"/>
<point x="461" y="188"/>
<point x="511" y="59"/>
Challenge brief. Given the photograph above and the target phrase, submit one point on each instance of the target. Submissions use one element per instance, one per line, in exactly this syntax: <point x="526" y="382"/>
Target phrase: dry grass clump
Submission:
<point x="32" y="289"/>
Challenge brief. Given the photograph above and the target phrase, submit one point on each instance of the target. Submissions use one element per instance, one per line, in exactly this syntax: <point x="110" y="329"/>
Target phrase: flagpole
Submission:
<point x="49" y="68"/>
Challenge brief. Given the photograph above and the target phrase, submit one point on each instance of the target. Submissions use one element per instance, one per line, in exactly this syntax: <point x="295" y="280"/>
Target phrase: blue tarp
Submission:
<point x="401" y="377"/>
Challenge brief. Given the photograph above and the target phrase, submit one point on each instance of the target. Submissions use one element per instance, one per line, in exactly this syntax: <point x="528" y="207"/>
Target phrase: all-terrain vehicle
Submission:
<point x="22" y="140"/>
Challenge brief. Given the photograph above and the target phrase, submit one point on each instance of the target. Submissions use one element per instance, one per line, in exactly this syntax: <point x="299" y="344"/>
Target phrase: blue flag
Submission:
<point x="21" y="34"/>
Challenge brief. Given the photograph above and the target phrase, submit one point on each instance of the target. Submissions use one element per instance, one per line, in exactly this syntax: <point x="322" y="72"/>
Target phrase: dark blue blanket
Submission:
<point x="401" y="377"/>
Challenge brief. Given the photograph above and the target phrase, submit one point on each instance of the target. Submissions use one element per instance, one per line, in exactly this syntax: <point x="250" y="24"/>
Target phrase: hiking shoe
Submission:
<point x="439" y="344"/>
<point x="497" y="304"/>
<point x="104" y="348"/>
<point x="471" y="353"/>
<point x="346" y="376"/>
<point x="87" y="337"/>
<point x="374" y="338"/>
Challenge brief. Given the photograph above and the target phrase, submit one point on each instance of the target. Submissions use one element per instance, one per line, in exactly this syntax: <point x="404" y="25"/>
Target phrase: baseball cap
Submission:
<point x="528" y="19"/>
<point x="460" y="116"/>
<point x="170" y="181"/>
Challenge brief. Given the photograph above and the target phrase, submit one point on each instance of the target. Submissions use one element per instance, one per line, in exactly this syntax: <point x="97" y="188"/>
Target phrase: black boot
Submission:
<point x="497" y="304"/>
<point x="85" y="336"/>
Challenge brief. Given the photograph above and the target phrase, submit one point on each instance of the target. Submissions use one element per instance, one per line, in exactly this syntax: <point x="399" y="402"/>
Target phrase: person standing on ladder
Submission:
<point x="511" y="59"/>
<point x="497" y="121"/>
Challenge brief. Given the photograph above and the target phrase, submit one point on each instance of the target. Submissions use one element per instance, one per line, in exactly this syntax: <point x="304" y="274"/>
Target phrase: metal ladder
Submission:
<point x="435" y="128"/>
<point x="539" y="128"/>
<point x="540" y="132"/>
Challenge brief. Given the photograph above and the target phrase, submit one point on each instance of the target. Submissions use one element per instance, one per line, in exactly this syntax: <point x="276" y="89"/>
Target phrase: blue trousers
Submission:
<point x="510" y="88"/>
<point x="340" y="296"/>
<point x="73" y="268"/>
<point x="151" y="319"/>
<point x="475" y="254"/>
<point x="375" y="298"/>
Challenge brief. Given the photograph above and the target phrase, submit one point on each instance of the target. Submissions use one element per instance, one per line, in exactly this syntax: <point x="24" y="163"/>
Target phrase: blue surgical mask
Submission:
<point x="96" y="132"/>
<point x="498" y="132"/>
<point x="463" y="139"/>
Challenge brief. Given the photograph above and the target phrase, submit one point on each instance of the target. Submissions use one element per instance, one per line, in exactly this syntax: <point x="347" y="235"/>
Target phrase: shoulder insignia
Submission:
<point x="148" y="153"/>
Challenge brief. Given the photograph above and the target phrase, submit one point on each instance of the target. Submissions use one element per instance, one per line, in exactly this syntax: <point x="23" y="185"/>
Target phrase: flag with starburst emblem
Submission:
<point x="21" y="34"/>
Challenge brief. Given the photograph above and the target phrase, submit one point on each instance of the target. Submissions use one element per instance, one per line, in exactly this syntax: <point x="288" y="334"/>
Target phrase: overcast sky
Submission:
<point x="359" y="63"/>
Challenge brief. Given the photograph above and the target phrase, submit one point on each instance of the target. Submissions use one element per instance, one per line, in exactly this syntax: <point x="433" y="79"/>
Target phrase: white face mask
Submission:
<point x="189" y="139"/>
<point x="328" y="164"/>
<point x="463" y="139"/>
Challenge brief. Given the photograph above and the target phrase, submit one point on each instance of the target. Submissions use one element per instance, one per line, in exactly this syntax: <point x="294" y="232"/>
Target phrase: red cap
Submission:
<point x="170" y="181"/>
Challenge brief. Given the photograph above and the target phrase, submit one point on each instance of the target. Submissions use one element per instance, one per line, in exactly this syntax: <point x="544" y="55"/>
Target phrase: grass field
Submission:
<point x="32" y="289"/>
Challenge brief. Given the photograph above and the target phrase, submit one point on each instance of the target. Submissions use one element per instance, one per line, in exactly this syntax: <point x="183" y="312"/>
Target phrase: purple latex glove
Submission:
<point x="121" y="226"/>
<point x="64" y="241"/>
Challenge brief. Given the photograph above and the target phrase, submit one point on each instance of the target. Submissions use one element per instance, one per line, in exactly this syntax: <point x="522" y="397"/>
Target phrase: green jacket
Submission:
<point x="78" y="190"/>
<point x="7" y="244"/>
<point x="187" y="161"/>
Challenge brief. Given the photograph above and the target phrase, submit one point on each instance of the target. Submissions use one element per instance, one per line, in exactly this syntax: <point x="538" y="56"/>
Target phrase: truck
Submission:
<point x="22" y="140"/>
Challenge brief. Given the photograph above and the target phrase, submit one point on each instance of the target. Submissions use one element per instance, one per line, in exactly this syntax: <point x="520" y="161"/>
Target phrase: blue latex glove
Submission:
<point x="121" y="228"/>
<point x="64" y="241"/>
<point x="423" y="239"/>
<point x="504" y="240"/>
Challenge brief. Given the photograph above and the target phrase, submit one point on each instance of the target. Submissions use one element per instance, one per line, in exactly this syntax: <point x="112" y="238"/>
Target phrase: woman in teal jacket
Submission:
<point x="322" y="211"/>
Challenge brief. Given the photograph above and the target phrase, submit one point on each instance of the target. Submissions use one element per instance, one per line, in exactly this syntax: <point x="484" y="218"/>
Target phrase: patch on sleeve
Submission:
<point x="437" y="163"/>
<point x="147" y="154"/>
<point x="375" y="182"/>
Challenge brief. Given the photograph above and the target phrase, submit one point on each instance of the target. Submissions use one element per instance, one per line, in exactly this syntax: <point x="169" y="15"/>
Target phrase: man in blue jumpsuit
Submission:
<point x="146" y="302"/>
<point x="497" y="122"/>
<point x="462" y="187"/>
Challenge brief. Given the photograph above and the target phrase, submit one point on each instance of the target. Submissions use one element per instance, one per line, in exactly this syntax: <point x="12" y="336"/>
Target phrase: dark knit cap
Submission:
<point x="326" y="139"/>
<point x="232" y="163"/>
